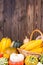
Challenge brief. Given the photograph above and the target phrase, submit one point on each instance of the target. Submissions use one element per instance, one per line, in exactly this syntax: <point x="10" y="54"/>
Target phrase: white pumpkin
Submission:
<point x="26" y="40"/>
<point x="39" y="63"/>
<point x="16" y="57"/>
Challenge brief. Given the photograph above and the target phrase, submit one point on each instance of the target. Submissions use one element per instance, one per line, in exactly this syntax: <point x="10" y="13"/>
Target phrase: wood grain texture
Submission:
<point x="42" y="15"/>
<point x="18" y="18"/>
<point x="30" y="15"/>
<point x="37" y="14"/>
<point x="7" y="18"/>
<point x="1" y="18"/>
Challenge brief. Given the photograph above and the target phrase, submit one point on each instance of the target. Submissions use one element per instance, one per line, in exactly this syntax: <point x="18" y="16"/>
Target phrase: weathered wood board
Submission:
<point x="18" y="18"/>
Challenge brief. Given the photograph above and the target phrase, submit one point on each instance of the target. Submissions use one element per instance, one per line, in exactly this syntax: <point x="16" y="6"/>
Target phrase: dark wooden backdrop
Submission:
<point x="18" y="17"/>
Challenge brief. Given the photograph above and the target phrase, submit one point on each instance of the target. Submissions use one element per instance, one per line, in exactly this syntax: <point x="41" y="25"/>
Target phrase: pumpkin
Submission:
<point x="17" y="44"/>
<point x="5" y="43"/>
<point x="8" y="51"/>
<point x="41" y="59"/>
<point x="3" y="61"/>
<point x="39" y="63"/>
<point x="31" y="60"/>
<point x="26" y="40"/>
<point x="16" y="59"/>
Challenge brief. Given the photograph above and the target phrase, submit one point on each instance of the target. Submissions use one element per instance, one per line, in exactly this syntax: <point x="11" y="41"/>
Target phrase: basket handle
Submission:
<point x="37" y="30"/>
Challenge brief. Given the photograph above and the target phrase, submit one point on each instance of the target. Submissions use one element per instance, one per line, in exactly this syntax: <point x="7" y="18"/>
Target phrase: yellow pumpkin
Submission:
<point x="8" y="51"/>
<point x="0" y="46"/>
<point x="5" y="55"/>
<point x="5" y="43"/>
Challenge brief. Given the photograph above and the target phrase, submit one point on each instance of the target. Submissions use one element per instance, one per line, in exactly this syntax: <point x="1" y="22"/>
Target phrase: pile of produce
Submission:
<point x="9" y="54"/>
<point x="33" y="46"/>
<point x="3" y="61"/>
<point x="6" y="47"/>
<point x="33" y="60"/>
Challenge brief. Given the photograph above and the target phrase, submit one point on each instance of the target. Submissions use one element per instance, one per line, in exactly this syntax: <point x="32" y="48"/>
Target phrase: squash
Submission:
<point x="3" y="61"/>
<point x="41" y="59"/>
<point x="16" y="59"/>
<point x="31" y="60"/>
<point x="26" y="40"/>
<point x="5" y="43"/>
<point x="17" y="44"/>
<point x="8" y="51"/>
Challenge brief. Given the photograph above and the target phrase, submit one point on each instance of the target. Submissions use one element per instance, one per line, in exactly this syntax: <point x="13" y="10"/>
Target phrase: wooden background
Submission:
<point x="18" y="17"/>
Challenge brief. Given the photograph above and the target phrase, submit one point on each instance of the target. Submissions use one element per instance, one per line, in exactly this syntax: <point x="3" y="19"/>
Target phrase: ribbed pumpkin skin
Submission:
<point x="17" y="44"/>
<point x="5" y="43"/>
<point x="31" y="60"/>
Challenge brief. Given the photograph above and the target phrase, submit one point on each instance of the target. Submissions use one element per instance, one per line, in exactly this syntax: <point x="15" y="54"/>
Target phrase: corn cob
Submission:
<point x="25" y="45"/>
<point x="33" y="45"/>
<point x="37" y="50"/>
<point x="42" y="49"/>
<point x="42" y="44"/>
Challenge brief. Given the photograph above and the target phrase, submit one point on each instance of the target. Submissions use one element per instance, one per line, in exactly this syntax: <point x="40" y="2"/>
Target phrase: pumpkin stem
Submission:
<point x="12" y="44"/>
<point x="26" y="37"/>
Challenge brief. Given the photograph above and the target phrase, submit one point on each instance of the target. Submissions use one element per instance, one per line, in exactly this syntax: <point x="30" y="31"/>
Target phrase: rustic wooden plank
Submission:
<point x="37" y="14"/>
<point x="42" y="10"/>
<point x="1" y="10"/>
<point x="42" y="25"/>
<point x="42" y="1"/>
<point x="15" y="14"/>
<point x="23" y="29"/>
<point x="30" y="15"/>
<point x="42" y="15"/>
<point x="1" y="7"/>
<point x="18" y="14"/>
<point x="1" y="18"/>
<point x="7" y="18"/>
<point x="22" y="25"/>
<point x="21" y="18"/>
<point x="14" y="31"/>
<point x="1" y="35"/>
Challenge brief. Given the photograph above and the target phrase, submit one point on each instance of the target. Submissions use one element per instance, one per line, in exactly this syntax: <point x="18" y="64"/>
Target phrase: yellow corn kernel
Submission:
<point x="36" y="43"/>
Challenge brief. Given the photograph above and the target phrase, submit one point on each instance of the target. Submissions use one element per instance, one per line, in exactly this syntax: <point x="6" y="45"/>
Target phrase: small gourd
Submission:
<point x="31" y="60"/>
<point x="41" y="59"/>
<point x="5" y="43"/>
<point x="3" y="61"/>
<point x="17" y="44"/>
<point x="26" y="40"/>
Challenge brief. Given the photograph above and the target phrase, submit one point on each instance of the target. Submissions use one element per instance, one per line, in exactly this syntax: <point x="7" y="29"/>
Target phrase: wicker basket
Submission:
<point x="24" y="52"/>
<point x="40" y="36"/>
